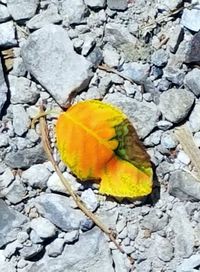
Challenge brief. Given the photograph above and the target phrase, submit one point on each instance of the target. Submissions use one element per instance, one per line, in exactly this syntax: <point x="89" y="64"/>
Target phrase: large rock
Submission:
<point x="10" y="221"/>
<point x="143" y="115"/>
<point x="91" y="253"/>
<point x="49" y="56"/>
<point x="22" y="9"/>
<point x="3" y="88"/>
<point x="175" y="104"/>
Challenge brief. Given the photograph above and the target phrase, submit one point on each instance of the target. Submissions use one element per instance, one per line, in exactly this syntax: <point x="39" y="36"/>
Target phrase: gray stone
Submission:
<point x="153" y="139"/>
<point x="35" y="238"/>
<point x="138" y="72"/>
<point x="28" y="252"/>
<point x="184" y="186"/>
<point x="18" y="68"/>
<point x="59" y="69"/>
<point x="36" y="176"/>
<point x="56" y="208"/>
<point x="56" y="247"/>
<point x="164" y="124"/>
<point x="183" y="157"/>
<point x="15" y="193"/>
<point x="153" y="223"/>
<point x="123" y="234"/>
<point x="5" y="264"/>
<point x="176" y="36"/>
<point x="43" y="227"/>
<point x="175" y="104"/>
<point x="111" y="56"/>
<point x="89" y="43"/>
<point x="71" y="237"/>
<point x="183" y="230"/>
<point x="174" y="75"/>
<point x="21" y="121"/>
<point x="6" y="178"/>
<point x="118" y="35"/>
<point x="132" y="230"/>
<point x="22" y="236"/>
<point x="7" y="34"/>
<point x="25" y="158"/>
<point x="90" y="199"/>
<point x="22" y="90"/>
<point x="191" y="19"/>
<point x="121" y="224"/>
<point x="4" y="14"/>
<point x="159" y="58"/>
<point x="143" y="115"/>
<point x="192" y="81"/>
<point x="164" y="249"/>
<point x="95" y="3"/>
<point x="194" y="118"/>
<point x="22" y="9"/>
<point x="73" y="12"/>
<point x="193" y="53"/>
<point x="4" y="140"/>
<point x="117" y="4"/>
<point x="189" y="264"/>
<point x="3" y="88"/>
<point x="90" y="253"/>
<point x="144" y="266"/>
<point x="169" y="140"/>
<point x="119" y="261"/>
<point x="48" y="16"/>
<point x="12" y="248"/>
<point x="10" y="221"/>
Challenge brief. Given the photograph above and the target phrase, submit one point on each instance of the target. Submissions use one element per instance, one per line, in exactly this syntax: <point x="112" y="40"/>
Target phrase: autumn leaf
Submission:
<point x="97" y="141"/>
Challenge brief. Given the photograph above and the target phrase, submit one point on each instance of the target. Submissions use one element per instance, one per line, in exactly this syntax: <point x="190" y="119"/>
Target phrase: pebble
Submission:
<point x="28" y="252"/>
<point x="164" y="124"/>
<point x="176" y="36"/>
<point x="15" y="193"/>
<point x="159" y="58"/>
<point x="191" y="19"/>
<point x="117" y="4"/>
<point x="174" y="75"/>
<point x="6" y="178"/>
<point x="21" y="121"/>
<point x="71" y="237"/>
<point x="192" y="81"/>
<point x="121" y="225"/>
<point x="90" y="199"/>
<point x="153" y="223"/>
<point x="183" y="157"/>
<point x="175" y="104"/>
<point x="168" y="140"/>
<point x="7" y="35"/>
<point x="138" y="72"/>
<point x="56" y="247"/>
<point x="96" y="4"/>
<point x="56" y="73"/>
<point x="4" y="14"/>
<point x="19" y="70"/>
<point x="189" y="264"/>
<point x="111" y="57"/>
<point x="184" y="186"/>
<point x="192" y="54"/>
<point x="22" y="9"/>
<point x="194" y="118"/>
<point x="36" y="176"/>
<point x="43" y="227"/>
<point x="164" y="249"/>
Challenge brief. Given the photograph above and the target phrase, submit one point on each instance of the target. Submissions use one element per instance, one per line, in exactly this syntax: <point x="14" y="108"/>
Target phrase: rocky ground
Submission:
<point x="53" y="51"/>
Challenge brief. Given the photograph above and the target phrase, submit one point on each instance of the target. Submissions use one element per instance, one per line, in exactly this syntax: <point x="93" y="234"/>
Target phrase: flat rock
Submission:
<point x="43" y="227"/>
<point x="10" y="221"/>
<point x="175" y="104"/>
<point x="143" y="115"/>
<point x="94" y="258"/>
<point x="117" y="4"/>
<point x="184" y="186"/>
<point x="48" y="16"/>
<point x="26" y="157"/>
<point x="7" y="34"/>
<point x="3" y="88"/>
<point x="56" y="208"/>
<point x="192" y="81"/>
<point x="193" y="53"/>
<point x="191" y="19"/>
<point x="22" y="90"/>
<point x="58" y="68"/>
<point x="22" y="9"/>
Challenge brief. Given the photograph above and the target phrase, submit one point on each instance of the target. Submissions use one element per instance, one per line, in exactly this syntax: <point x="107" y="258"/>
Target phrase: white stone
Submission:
<point x="7" y="34"/>
<point x="183" y="157"/>
<point x="43" y="227"/>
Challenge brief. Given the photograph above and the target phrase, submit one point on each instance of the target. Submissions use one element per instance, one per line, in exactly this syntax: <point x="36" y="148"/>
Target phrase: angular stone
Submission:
<point x="90" y="199"/>
<point x="143" y="115"/>
<point x="22" y="9"/>
<point x="95" y="3"/>
<point x="21" y="121"/>
<point x="164" y="249"/>
<point x="138" y="72"/>
<point x="22" y="90"/>
<point x="94" y="258"/>
<point x="175" y="104"/>
<point x="184" y="186"/>
<point x="26" y="157"/>
<point x="159" y="58"/>
<point x="7" y="34"/>
<point x="28" y="252"/>
<point x="48" y="16"/>
<point x="194" y="119"/>
<point x="56" y="208"/>
<point x="193" y="52"/>
<point x="43" y="227"/>
<point x="4" y="14"/>
<point x="117" y="4"/>
<point x="15" y="193"/>
<point x="191" y="19"/>
<point x="192" y="81"/>
<point x="189" y="264"/>
<point x="153" y="223"/>
<point x="58" y="68"/>
<point x="10" y="221"/>
<point x="3" y="88"/>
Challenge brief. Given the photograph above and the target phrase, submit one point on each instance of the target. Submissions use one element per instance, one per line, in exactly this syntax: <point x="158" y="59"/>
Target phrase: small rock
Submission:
<point x="194" y="118"/>
<point x="171" y="5"/>
<point x="28" y="252"/>
<point x="4" y="140"/>
<point x="88" y="45"/>
<point x="3" y="88"/>
<point x="189" y="264"/>
<point x="176" y="36"/>
<point x="22" y="9"/>
<point x="175" y="104"/>
<point x="12" y="248"/>
<point x="19" y="69"/>
<point x="22" y="90"/>
<point x="56" y="247"/>
<point x="153" y="139"/>
<point x="184" y="186"/>
<point x="191" y="19"/>
<point x="183" y="157"/>
<point x="4" y="14"/>
<point x="96" y="4"/>
<point x="21" y="121"/>
<point x="22" y="237"/>
<point x="132" y="231"/>
<point x="26" y="157"/>
<point x="123" y="234"/>
<point x="192" y="81"/>
<point x="193" y="54"/>
<point x="7" y="34"/>
<point x="36" y="176"/>
<point x="5" y="264"/>
<point x="43" y="227"/>
<point x="168" y="140"/>
<point x="174" y="75"/>
<point x="48" y="16"/>
<point x="6" y="178"/>
<point x="71" y="237"/>
<point x="15" y="193"/>
<point x="121" y="224"/>
<point x="153" y="223"/>
<point x="164" y="124"/>
<point x="138" y="72"/>
<point x="35" y="238"/>
<point x="159" y="58"/>
<point x="117" y="4"/>
<point x="164" y="249"/>
<point x="111" y="57"/>
<point x="62" y="73"/>
<point x="90" y="199"/>
<point x="119" y="261"/>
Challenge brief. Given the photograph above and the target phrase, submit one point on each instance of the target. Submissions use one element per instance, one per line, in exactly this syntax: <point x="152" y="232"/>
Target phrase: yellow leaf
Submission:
<point x="96" y="141"/>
